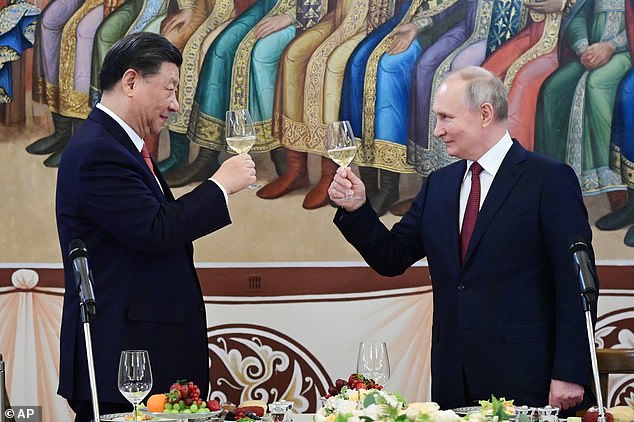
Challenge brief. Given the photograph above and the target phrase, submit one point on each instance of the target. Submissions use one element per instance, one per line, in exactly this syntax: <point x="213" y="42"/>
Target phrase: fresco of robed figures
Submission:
<point x="299" y="65"/>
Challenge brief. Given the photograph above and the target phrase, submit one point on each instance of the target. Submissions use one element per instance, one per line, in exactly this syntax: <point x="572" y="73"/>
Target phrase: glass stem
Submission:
<point x="135" y="413"/>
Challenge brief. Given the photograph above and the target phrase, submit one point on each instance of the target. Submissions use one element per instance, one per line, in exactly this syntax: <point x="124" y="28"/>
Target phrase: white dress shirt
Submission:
<point x="490" y="162"/>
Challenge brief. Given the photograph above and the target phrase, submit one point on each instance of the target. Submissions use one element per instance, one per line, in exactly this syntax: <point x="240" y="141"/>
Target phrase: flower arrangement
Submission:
<point x="361" y="405"/>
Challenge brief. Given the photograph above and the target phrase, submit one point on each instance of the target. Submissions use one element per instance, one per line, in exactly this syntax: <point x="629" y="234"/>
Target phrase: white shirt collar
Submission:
<point x="492" y="159"/>
<point x="136" y="139"/>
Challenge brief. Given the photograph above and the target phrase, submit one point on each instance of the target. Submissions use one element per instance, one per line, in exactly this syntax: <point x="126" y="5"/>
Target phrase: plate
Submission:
<point x="182" y="416"/>
<point x="118" y="417"/>
<point x="264" y="418"/>
<point x="462" y="411"/>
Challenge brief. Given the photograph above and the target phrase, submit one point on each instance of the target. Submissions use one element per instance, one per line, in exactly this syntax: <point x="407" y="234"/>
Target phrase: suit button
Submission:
<point x="460" y="287"/>
<point x="201" y="308"/>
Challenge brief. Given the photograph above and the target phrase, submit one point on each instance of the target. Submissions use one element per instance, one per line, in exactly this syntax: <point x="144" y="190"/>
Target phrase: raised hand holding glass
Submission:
<point x="240" y="133"/>
<point x="341" y="145"/>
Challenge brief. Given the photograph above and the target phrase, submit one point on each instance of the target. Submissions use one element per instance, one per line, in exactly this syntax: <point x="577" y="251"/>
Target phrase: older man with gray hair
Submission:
<point x="496" y="229"/>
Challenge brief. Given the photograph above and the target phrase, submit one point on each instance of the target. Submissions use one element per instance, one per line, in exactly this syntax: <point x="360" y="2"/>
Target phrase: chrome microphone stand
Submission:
<point x="2" y="391"/>
<point x="584" y="270"/>
<point x="593" y="356"/>
<point x="87" y="315"/>
<point x="88" y="308"/>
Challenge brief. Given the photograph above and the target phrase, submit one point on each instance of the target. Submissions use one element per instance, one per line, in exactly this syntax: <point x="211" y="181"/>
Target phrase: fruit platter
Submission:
<point x="183" y="403"/>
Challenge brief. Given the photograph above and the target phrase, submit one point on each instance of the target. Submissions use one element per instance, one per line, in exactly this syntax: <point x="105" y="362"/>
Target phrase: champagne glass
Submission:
<point x="373" y="361"/>
<point x="135" y="376"/>
<point x="341" y="145"/>
<point x="240" y="133"/>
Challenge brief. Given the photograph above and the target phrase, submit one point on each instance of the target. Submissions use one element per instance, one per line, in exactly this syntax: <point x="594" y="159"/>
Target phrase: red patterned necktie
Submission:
<point x="471" y="211"/>
<point x="146" y="157"/>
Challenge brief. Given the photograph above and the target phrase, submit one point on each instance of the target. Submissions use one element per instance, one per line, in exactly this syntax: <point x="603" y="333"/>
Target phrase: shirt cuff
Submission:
<point x="222" y="188"/>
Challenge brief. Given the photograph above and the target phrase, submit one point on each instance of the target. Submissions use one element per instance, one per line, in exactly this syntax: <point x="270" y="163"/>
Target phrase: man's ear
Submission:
<point x="128" y="80"/>
<point x="487" y="114"/>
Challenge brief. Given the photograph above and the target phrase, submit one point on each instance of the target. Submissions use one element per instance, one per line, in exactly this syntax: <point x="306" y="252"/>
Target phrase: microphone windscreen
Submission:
<point x="578" y="244"/>
<point x="76" y="249"/>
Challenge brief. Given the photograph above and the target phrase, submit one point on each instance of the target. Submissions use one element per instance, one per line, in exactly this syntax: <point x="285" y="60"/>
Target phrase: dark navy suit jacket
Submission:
<point x="511" y="316"/>
<point x="139" y="241"/>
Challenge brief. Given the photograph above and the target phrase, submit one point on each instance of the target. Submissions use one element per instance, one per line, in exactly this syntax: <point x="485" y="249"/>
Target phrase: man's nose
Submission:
<point x="438" y="130"/>
<point x="174" y="106"/>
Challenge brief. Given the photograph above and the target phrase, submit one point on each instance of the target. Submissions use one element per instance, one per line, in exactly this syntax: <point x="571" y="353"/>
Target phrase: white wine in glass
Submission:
<point x="240" y="133"/>
<point x="241" y="144"/>
<point x="342" y="156"/>
<point x="135" y="377"/>
<point x="373" y="361"/>
<point x="341" y="145"/>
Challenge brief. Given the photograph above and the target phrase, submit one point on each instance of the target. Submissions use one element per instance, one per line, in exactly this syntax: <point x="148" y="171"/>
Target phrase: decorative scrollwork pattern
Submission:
<point x="250" y="362"/>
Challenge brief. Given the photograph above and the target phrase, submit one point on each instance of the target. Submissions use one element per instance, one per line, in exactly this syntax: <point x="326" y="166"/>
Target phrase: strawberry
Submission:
<point x="174" y="396"/>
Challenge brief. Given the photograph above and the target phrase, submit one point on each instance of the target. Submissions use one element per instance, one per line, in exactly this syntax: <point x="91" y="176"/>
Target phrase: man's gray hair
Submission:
<point x="482" y="87"/>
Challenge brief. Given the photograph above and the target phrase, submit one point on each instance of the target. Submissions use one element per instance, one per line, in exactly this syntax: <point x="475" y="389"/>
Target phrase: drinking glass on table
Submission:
<point x="341" y="145"/>
<point x="135" y="376"/>
<point x="240" y="133"/>
<point x="373" y="361"/>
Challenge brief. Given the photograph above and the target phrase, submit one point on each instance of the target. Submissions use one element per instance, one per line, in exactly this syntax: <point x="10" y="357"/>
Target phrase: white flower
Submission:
<point x="390" y="399"/>
<point x="477" y="417"/>
<point x="345" y="406"/>
<point x="417" y="408"/>
<point x="373" y="411"/>
<point x="446" y="416"/>
<point x="319" y="417"/>
<point x="383" y="406"/>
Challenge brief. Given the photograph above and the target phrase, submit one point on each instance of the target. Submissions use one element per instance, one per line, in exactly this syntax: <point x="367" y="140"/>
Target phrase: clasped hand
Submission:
<point x="565" y="395"/>
<point x="344" y="185"/>
<point x="236" y="173"/>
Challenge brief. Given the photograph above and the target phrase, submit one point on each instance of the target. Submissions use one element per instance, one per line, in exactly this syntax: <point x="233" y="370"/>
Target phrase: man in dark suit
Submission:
<point x="138" y="235"/>
<point x="508" y="318"/>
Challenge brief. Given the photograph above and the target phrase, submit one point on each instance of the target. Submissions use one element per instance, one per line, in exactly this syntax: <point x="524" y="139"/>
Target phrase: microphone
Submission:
<point x="583" y="268"/>
<point x="83" y="277"/>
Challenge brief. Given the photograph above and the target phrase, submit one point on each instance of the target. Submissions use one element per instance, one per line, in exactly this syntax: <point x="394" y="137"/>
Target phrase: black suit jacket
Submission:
<point x="139" y="239"/>
<point x="511" y="316"/>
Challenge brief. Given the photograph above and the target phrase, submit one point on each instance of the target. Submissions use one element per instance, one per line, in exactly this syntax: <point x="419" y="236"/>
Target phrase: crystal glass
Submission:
<point x="341" y="145"/>
<point x="240" y="133"/>
<point x="373" y="361"/>
<point x="135" y="376"/>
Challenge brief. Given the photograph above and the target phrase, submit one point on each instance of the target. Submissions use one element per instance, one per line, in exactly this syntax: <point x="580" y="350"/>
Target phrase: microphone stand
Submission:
<point x="593" y="355"/>
<point x="87" y="315"/>
<point x="2" y="391"/>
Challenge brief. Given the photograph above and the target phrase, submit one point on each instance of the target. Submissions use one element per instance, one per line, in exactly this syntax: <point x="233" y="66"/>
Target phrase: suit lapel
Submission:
<point x="120" y="135"/>
<point x="451" y="208"/>
<point x="115" y="129"/>
<point x="508" y="174"/>
<point x="163" y="182"/>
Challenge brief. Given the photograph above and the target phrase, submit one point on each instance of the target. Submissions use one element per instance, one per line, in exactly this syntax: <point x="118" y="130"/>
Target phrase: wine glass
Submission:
<point x="341" y="146"/>
<point x="135" y="376"/>
<point x="240" y="133"/>
<point x="373" y="361"/>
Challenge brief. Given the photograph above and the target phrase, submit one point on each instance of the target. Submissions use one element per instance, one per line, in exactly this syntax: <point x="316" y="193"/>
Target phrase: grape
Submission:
<point x="184" y="397"/>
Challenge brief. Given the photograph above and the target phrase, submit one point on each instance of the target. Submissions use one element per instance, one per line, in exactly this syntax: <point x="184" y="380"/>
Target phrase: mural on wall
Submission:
<point x="298" y="65"/>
